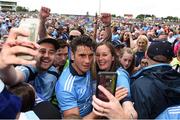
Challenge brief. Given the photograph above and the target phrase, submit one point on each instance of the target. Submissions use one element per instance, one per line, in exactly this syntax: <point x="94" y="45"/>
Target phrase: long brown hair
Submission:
<point x="115" y="63"/>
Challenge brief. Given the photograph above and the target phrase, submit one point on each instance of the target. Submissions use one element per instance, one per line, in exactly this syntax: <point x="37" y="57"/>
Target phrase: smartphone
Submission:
<point x="32" y="25"/>
<point x="108" y="80"/>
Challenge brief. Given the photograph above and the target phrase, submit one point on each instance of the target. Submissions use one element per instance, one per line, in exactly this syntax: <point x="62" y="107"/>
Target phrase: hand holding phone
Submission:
<point x="107" y="80"/>
<point x="31" y="25"/>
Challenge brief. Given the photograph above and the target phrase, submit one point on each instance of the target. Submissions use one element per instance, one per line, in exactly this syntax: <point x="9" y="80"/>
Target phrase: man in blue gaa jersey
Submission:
<point x="74" y="88"/>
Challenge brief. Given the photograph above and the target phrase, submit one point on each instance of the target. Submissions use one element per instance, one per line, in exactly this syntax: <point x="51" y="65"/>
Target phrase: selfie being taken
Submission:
<point x="89" y="59"/>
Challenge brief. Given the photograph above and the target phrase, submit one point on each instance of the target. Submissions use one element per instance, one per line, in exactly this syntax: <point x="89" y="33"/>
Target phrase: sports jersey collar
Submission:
<point x="74" y="72"/>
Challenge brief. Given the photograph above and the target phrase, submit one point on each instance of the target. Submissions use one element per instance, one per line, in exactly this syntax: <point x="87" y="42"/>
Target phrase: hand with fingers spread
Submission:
<point x="111" y="109"/>
<point x="14" y="46"/>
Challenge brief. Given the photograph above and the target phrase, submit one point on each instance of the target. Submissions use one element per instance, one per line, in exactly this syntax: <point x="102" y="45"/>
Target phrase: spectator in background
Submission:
<point x="62" y="33"/>
<point x="60" y="62"/>
<point x="162" y="36"/>
<point x="72" y="34"/>
<point x="61" y="56"/>
<point x="143" y="63"/>
<point x="171" y="37"/>
<point x="140" y="49"/>
<point x="115" y="34"/>
<point x="127" y="59"/>
<point x="4" y="31"/>
<point x="118" y="47"/>
<point x="126" y="38"/>
<point x="150" y="36"/>
<point x="43" y="14"/>
<point x="102" y="36"/>
<point x="50" y="32"/>
<point x="176" y="60"/>
<point x="105" y="33"/>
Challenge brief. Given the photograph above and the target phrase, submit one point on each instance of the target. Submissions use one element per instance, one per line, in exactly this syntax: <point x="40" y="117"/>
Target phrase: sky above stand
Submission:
<point x="160" y="8"/>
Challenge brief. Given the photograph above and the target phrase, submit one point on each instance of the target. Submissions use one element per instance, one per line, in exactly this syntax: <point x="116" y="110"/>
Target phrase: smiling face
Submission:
<point x="104" y="57"/>
<point x="82" y="59"/>
<point x="142" y="43"/>
<point x="45" y="57"/>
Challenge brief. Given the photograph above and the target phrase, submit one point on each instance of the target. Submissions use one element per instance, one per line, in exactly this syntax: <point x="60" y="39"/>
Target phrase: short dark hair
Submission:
<point x="82" y="40"/>
<point x="62" y="43"/>
<point x="27" y="94"/>
<point x="50" y="41"/>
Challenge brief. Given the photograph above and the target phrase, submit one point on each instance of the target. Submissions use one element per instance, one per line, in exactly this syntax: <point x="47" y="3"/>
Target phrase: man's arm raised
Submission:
<point x="43" y="14"/>
<point x="8" y="56"/>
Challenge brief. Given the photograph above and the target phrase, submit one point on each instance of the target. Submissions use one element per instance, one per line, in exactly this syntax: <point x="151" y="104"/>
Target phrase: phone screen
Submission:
<point x="107" y="80"/>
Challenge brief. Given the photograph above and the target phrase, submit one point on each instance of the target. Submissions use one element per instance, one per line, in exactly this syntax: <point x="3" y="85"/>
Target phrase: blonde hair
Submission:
<point x="144" y="38"/>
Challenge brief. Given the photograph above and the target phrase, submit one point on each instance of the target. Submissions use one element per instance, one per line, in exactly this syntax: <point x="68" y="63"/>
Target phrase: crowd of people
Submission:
<point x="60" y="82"/>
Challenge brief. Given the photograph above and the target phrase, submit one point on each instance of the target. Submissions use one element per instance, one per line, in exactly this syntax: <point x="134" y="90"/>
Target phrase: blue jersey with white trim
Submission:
<point x="73" y="90"/>
<point x="170" y="113"/>
<point x="43" y="83"/>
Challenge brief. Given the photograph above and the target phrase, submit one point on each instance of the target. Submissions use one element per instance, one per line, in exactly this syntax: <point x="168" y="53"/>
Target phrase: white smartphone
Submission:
<point x="32" y="25"/>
